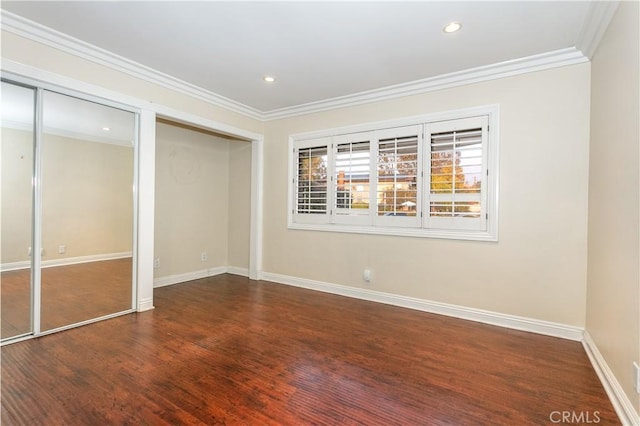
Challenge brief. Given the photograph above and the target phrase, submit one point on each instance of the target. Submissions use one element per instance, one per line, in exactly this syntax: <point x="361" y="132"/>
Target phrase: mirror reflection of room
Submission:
<point x="86" y="169"/>
<point x="87" y="210"/>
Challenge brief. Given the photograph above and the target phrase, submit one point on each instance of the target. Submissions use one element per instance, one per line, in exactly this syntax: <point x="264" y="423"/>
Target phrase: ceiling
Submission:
<point x="316" y="50"/>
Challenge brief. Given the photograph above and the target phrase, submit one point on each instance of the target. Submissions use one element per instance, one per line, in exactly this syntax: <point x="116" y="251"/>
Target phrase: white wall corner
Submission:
<point x="236" y="270"/>
<point x="621" y="403"/>
<point x="599" y="16"/>
<point x="188" y="276"/>
<point x="486" y="317"/>
<point x="218" y="270"/>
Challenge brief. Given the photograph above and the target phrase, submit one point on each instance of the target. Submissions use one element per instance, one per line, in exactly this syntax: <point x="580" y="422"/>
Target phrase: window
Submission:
<point x="312" y="180"/>
<point x="352" y="177"/>
<point x="433" y="176"/>
<point x="398" y="168"/>
<point x="457" y="163"/>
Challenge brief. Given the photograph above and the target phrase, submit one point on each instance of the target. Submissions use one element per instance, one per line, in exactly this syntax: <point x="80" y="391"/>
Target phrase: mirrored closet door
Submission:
<point x="16" y="175"/>
<point x="87" y="210"/>
<point x="80" y="188"/>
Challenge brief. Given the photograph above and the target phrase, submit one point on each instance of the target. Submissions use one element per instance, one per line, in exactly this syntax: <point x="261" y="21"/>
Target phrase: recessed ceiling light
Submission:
<point x="452" y="27"/>
<point x="269" y="78"/>
<point x="106" y="129"/>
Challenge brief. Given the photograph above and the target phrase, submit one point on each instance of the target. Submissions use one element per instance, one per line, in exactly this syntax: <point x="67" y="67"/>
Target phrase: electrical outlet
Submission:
<point x="156" y="263"/>
<point x="203" y="256"/>
<point x="62" y="249"/>
<point x="366" y="275"/>
<point x="636" y="372"/>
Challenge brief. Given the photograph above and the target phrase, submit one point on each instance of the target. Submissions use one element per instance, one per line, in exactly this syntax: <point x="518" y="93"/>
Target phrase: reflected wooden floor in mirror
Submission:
<point x="15" y="291"/>
<point x="70" y="294"/>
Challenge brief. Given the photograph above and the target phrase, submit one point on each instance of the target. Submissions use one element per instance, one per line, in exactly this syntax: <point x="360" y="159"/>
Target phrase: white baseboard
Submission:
<point x="26" y="264"/>
<point x="145" y="304"/>
<point x="619" y="400"/>
<point x="478" y="315"/>
<point x="236" y="270"/>
<point x="15" y="266"/>
<point x="188" y="276"/>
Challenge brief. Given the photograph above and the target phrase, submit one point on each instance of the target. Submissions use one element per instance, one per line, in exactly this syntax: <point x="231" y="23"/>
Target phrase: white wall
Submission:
<point x="538" y="267"/>
<point x="613" y="291"/>
<point x="192" y="193"/>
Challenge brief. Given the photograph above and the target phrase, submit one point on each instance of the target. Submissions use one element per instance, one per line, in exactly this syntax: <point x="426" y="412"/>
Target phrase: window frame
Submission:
<point x="397" y="226"/>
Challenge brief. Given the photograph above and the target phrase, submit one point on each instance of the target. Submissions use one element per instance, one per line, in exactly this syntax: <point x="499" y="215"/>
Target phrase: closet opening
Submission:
<point x="203" y="203"/>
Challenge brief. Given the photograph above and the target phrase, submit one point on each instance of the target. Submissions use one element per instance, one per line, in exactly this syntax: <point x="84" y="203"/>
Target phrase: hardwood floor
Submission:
<point x="227" y="350"/>
<point x="70" y="294"/>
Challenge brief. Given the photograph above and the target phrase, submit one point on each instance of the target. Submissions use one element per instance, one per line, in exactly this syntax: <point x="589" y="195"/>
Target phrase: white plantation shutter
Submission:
<point x="398" y="170"/>
<point x="352" y="179"/>
<point x="456" y="178"/>
<point x="433" y="176"/>
<point x="311" y="181"/>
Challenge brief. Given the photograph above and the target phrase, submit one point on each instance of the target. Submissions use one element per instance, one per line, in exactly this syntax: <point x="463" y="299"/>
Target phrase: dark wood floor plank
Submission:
<point x="228" y="350"/>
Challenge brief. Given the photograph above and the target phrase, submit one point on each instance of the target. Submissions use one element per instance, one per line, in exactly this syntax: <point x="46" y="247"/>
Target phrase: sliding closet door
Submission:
<point x="87" y="210"/>
<point x="17" y="171"/>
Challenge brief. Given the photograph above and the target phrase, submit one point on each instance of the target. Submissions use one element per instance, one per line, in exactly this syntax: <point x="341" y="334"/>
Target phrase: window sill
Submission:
<point x="399" y="232"/>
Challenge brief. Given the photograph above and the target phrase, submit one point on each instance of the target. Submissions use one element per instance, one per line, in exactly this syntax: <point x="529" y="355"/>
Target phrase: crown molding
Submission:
<point x="599" y="16"/>
<point x="39" y="33"/>
<point x="558" y="58"/>
<point x="554" y="59"/>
